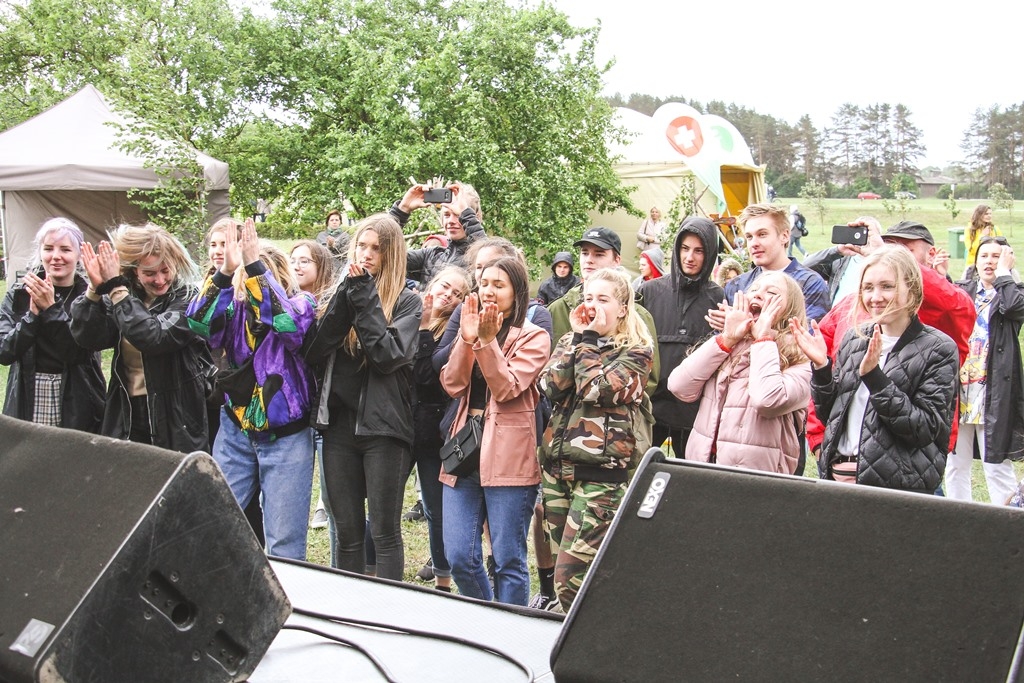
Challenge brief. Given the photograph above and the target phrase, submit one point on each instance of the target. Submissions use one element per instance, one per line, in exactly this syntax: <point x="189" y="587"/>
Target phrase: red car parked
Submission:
<point x="868" y="195"/>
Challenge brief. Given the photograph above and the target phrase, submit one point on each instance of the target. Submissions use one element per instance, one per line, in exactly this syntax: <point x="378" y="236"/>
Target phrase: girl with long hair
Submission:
<point x="991" y="391"/>
<point x="981" y="226"/>
<point x="887" y="402"/>
<point x="140" y="284"/>
<point x="595" y="380"/>
<point x="753" y="381"/>
<point x="444" y="292"/>
<point x="492" y="372"/>
<point x="52" y="380"/>
<point x="363" y="350"/>
<point x="252" y="309"/>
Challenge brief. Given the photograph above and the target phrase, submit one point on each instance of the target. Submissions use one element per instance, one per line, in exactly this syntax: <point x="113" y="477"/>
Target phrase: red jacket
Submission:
<point x="508" y="445"/>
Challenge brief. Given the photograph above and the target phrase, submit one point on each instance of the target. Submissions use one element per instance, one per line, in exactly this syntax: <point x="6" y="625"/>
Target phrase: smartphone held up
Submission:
<point x="845" y="234"/>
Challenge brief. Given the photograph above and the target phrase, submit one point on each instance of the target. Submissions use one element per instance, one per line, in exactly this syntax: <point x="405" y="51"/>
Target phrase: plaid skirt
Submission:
<point x="47" y="407"/>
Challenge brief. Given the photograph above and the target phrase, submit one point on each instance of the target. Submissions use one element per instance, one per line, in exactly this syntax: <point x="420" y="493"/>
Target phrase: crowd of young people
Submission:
<point x="369" y="362"/>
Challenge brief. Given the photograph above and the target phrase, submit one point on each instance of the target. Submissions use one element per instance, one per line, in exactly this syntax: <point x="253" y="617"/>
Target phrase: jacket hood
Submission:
<point x="563" y="257"/>
<point x="708" y="234"/>
<point x="655" y="258"/>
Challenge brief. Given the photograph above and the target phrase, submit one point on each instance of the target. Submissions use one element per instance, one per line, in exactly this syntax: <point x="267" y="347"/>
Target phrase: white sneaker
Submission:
<point x="319" y="519"/>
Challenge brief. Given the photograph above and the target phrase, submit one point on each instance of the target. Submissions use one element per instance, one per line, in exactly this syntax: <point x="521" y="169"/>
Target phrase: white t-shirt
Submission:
<point x="849" y="442"/>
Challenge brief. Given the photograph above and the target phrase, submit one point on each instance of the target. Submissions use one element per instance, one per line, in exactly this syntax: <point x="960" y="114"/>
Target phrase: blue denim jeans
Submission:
<point x="428" y="462"/>
<point x="508" y="511"/>
<point x="284" y="470"/>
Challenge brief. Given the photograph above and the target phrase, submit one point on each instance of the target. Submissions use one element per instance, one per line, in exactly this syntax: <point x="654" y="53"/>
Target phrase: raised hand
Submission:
<point x="40" y="293"/>
<point x="428" y="310"/>
<point x="810" y="342"/>
<point x="490" y="322"/>
<point x="716" y="316"/>
<point x="413" y="198"/>
<point x="579" y="319"/>
<point x="458" y="203"/>
<point x="250" y="242"/>
<point x="92" y="265"/>
<point x="1006" y="258"/>
<point x="940" y="262"/>
<point x="874" y="352"/>
<point x="469" y="325"/>
<point x="764" y="326"/>
<point x="109" y="262"/>
<point x="232" y="254"/>
<point x="737" y="320"/>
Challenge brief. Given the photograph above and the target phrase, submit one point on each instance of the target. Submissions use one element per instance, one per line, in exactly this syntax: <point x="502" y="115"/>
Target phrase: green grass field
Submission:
<point x="928" y="211"/>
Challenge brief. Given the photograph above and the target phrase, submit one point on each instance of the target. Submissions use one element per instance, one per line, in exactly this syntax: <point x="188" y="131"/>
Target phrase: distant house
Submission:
<point x="928" y="186"/>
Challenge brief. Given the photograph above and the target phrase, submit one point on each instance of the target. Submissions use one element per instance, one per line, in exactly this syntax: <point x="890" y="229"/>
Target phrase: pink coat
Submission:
<point x="508" y="452"/>
<point x="755" y="408"/>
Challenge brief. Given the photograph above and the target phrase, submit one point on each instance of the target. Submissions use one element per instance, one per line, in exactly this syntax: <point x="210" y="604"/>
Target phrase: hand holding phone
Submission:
<point x="845" y="234"/>
<point x="438" y="195"/>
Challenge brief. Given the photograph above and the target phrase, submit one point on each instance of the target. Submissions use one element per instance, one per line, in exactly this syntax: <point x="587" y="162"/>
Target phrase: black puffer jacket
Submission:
<point x="909" y="415"/>
<point x="423" y="264"/>
<point x="22" y="333"/>
<point x="678" y="305"/>
<point x="555" y="287"/>
<point x="175" y="361"/>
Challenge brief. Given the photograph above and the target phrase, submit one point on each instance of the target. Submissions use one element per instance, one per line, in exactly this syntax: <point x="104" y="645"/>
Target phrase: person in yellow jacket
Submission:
<point x="981" y="226"/>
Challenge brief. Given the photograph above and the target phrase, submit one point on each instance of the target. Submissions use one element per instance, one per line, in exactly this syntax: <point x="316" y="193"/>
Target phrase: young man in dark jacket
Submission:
<point x="561" y="281"/>
<point x="678" y="304"/>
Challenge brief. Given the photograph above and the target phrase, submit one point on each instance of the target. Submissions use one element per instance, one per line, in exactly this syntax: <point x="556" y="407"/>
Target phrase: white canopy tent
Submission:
<point x="657" y="171"/>
<point x="66" y="162"/>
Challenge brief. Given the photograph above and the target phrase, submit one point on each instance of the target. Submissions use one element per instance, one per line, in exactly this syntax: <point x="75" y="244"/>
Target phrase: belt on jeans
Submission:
<point x="846" y="458"/>
<point x="604" y="475"/>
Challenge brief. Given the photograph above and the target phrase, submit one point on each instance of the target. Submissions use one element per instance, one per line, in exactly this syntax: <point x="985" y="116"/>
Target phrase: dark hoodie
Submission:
<point x="555" y="287"/>
<point x="678" y="305"/>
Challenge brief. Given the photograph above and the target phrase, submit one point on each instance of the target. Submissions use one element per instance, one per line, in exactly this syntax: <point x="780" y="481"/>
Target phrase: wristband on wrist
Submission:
<point x="111" y="284"/>
<point x="764" y="339"/>
<point x="721" y="344"/>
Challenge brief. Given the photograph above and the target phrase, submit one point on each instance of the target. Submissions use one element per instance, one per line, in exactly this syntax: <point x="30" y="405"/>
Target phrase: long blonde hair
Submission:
<point x="134" y="243"/>
<point x="390" y="277"/>
<point x="631" y="330"/>
<point x="439" y="322"/>
<point x="908" y="274"/>
<point x="789" y="352"/>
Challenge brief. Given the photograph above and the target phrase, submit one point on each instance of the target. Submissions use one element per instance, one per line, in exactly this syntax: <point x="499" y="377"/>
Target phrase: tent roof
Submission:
<point x="72" y="146"/>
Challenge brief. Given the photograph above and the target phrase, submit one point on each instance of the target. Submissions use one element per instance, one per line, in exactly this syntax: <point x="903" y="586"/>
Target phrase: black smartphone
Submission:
<point x="438" y="195"/>
<point x="844" y="234"/>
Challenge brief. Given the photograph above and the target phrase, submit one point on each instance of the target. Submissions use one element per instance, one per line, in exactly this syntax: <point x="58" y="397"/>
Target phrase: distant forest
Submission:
<point x="865" y="148"/>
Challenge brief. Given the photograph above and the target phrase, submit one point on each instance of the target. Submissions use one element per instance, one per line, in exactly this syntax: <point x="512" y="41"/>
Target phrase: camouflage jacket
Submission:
<point x="597" y="394"/>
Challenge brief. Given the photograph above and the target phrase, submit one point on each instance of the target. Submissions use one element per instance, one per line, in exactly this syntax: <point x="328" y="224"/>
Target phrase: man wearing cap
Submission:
<point x="599" y="248"/>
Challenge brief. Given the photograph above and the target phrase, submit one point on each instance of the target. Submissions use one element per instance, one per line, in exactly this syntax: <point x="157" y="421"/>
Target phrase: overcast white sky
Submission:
<point x="787" y="58"/>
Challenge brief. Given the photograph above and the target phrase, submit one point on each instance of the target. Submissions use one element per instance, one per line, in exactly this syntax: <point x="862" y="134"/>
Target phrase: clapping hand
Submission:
<point x="250" y="242"/>
<point x="428" y="310"/>
<point x="100" y="264"/>
<point x="469" y="324"/>
<point x="874" y="352"/>
<point x="738" y="320"/>
<point x="810" y="342"/>
<point x="40" y="293"/>
<point x="716" y="316"/>
<point x="490" y="322"/>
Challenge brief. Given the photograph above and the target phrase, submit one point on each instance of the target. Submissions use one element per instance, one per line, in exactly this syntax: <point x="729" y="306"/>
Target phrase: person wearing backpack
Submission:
<point x="799" y="230"/>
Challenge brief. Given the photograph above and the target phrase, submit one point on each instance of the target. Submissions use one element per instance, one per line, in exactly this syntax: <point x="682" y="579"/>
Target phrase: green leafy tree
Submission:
<point x="505" y="99"/>
<point x="1002" y="199"/>
<point x="814" y="193"/>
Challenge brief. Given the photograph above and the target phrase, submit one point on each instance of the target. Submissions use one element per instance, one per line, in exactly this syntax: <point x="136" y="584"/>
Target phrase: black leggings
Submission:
<point x="363" y="472"/>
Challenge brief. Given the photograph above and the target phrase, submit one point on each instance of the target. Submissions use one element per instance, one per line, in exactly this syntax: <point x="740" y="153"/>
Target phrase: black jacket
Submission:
<point x="909" y="415"/>
<point x="555" y="287"/>
<point x="678" y="305"/>
<point x="1004" y="393"/>
<point x="81" y="398"/>
<point x="423" y="264"/>
<point x="386" y="395"/>
<point x="175" y="361"/>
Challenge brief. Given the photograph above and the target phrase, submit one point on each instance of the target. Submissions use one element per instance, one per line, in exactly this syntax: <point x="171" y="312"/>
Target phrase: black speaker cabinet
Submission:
<point x="123" y="563"/>
<point x="717" y="574"/>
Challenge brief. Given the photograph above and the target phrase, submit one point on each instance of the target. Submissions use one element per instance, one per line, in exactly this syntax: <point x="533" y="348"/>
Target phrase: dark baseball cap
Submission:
<point x="910" y="230"/>
<point x="600" y="237"/>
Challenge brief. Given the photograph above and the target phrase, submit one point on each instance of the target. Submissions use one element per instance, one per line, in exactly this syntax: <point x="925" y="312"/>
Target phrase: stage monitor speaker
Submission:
<point x="124" y="563"/>
<point x="718" y="574"/>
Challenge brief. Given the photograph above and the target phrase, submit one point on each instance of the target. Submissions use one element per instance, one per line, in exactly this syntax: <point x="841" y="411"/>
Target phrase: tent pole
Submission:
<point x="3" y="233"/>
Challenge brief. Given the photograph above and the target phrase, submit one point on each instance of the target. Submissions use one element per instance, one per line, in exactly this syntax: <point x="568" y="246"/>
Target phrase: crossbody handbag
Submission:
<point x="460" y="454"/>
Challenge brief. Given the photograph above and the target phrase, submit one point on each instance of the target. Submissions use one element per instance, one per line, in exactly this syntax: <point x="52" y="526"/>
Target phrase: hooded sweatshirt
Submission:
<point x="678" y="305"/>
<point x="655" y="258"/>
<point x="555" y="287"/>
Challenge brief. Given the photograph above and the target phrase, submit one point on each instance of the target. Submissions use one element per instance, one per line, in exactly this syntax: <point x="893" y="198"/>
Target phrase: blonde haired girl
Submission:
<point x="595" y="380"/>
<point x="363" y="350"/>
<point x="753" y="381"/>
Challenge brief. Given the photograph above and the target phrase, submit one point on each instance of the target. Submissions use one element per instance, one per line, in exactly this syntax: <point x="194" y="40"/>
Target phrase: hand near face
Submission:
<point x="91" y="264"/>
<point x="874" y="352"/>
<point x="874" y="237"/>
<point x="40" y="293"/>
<point x="428" y="310"/>
<point x="579" y="319"/>
<point x="109" y="262"/>
<point x="458" y="203"/>
<point x="490" y="322"/>
<point x="413" y="198"/>
<point x="232" y="255"/>
<point x="940" y="262"/>
<point x="1006" y="258"/>
<point x="738" y="321"/>
<point x="811" y="343"/>
<point x="764" y="326"/>
<point x="469" y="325"/>
<point x="716" y="316"/>
<point x="355" y="270"/>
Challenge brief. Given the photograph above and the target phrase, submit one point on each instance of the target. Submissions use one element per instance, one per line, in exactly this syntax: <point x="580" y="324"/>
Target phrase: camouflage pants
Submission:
<point x="577" y="515"/>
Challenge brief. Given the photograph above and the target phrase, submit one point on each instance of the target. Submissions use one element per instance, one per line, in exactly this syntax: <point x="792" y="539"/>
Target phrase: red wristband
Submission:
<point x="764" y="339"/>
<point x="721" y="345"/>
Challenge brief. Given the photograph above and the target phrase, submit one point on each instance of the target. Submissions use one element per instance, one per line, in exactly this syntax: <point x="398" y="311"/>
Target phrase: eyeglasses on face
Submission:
<point x="302" y="261"/>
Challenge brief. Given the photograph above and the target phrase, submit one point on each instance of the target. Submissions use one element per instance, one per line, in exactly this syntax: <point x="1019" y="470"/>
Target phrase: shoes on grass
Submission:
<point x="426" y="572"/>
<point x="548" y="603"/>
<point x="415" y="513"/>
<point x="319" y="519"/>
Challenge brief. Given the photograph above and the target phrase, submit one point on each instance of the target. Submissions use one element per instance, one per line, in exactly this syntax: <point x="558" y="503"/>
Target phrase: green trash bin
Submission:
<point x="957" y="248"/>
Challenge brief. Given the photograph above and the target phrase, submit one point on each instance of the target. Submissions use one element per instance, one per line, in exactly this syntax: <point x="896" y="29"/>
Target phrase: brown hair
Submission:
<point x="326" y="266"/>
